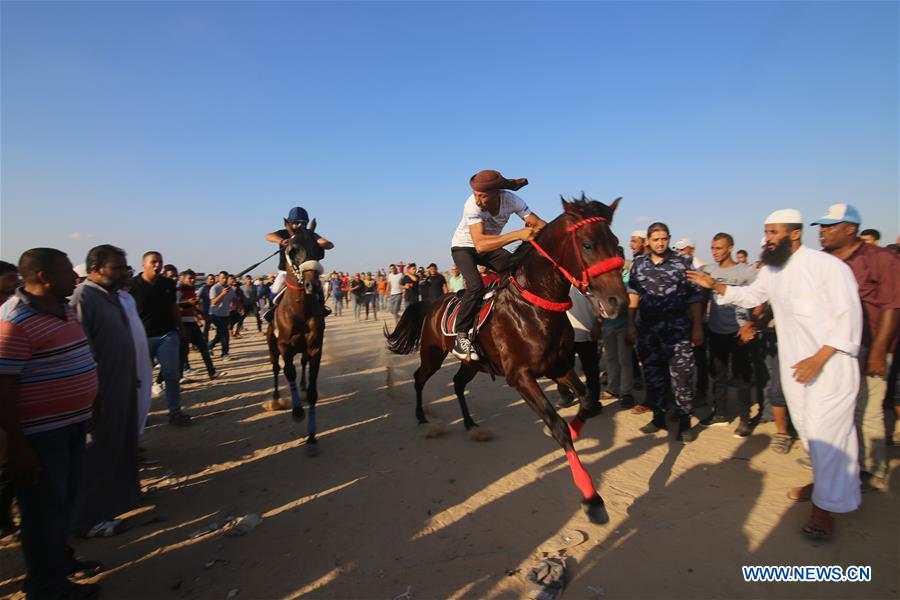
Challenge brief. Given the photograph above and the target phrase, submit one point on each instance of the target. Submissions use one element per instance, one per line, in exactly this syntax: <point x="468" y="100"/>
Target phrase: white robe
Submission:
<point x="142" y="359"/>
<point x="816" y="303"/>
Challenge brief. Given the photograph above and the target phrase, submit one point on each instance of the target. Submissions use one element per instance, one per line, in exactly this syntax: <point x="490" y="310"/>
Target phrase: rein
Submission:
<point x="297" y="274"/>
<point x="598" y="268"/>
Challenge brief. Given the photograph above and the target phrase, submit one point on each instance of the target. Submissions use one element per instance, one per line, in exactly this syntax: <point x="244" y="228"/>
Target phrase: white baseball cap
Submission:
<point x="785" y="215"/>
<point x="840" y="213"/>
<point x="80" y="270"/>
<point x="639" y="233"/>
<point x="684" y="243"/>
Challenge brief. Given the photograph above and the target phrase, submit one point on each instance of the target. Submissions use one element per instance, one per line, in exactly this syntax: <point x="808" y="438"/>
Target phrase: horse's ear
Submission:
<point x="312" y="225"/>
<point x="566" y="205"/>
<point x="613" y="207"/>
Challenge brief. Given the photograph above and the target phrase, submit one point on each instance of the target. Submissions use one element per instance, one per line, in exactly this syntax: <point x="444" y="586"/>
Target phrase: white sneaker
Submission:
<point x="187" y="372"/>
<point x="464" y="349"/>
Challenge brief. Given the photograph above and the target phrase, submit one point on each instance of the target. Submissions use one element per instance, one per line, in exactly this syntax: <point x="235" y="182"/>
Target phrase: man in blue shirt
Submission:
<point x="665" y="319"/>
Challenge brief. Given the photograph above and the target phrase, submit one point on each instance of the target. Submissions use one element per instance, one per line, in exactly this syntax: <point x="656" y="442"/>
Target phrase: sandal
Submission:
<point x="781" y="443"/>
<point x="84" y="569"/>
<point x="105" y="529"/>
<point x="547" y="579"/>
<point x="820" y="525"/>
<point x="801" y="494"/>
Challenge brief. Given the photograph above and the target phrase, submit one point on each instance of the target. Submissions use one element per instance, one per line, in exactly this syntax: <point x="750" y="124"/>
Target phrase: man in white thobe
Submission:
<point x="819" y="322"/>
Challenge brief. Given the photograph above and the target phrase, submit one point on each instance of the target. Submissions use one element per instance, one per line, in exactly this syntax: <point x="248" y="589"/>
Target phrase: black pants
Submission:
<point x="223" y="333"/>
<point x="207" y="323"/>
<point x="47" y="507"/>
<point x="7" y="493"/>
<point x="727" y="351"/>
<point x="467" y="261"/>
<point x="193" y="335"/>
<point x="590" y="364"/>
<point x="251" y="309"/>
<point x="701" y="361"/>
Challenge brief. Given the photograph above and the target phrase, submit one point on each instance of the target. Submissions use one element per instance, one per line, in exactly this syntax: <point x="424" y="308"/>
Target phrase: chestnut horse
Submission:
<point x="528" y="335"/>
<point x="298" y="327"/>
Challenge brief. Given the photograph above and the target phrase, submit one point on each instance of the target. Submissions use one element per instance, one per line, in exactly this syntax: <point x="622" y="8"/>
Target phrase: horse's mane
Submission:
<point x="584" y="206"/>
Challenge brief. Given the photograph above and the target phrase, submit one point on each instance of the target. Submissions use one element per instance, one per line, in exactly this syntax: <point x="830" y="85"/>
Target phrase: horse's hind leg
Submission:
<point x="587" y="407"/>
<point x="526" y="385"/>
<point x="312" y="448"/>
<point x="303" y="361"/>
<point x="463" y="376"/>
<point x="431" y="357"/>
<point x="275" y="402"/>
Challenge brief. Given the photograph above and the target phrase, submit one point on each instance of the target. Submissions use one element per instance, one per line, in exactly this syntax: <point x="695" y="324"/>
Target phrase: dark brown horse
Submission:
<point x="298" y="327"/>
<point x="528" y="335"/>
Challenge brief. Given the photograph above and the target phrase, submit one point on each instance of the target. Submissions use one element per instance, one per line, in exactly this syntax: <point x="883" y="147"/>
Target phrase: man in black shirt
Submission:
<point x="434" y="285"/>
<point x="154" y="296"/>
<point x="410" y="283"/>
<point x="297" y="218"/>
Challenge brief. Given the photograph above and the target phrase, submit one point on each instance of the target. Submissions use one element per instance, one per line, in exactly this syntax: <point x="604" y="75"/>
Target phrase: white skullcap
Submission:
<point x="684" y="243"/>
<point x="639" y="233"/>
<point x="81" y="270"/>
<point x="785" y="215"/>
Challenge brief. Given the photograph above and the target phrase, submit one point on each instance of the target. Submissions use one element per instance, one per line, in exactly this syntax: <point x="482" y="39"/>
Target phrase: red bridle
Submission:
<point x="598" y="268"/>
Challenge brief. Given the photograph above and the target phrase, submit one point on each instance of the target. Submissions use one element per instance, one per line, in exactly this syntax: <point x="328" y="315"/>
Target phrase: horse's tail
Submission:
<point x="408" y="331"/>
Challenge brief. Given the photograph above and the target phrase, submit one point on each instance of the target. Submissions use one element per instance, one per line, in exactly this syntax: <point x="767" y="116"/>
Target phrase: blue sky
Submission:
<point x="192" y="128"/>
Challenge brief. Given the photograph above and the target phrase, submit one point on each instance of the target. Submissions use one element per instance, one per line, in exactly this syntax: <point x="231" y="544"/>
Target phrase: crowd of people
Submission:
<point x="391" y="290"/>
<point x="89" y="337"/>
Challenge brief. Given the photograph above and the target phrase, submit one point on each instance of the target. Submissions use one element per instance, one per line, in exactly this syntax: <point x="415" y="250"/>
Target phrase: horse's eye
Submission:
<point x="586" y="246"/>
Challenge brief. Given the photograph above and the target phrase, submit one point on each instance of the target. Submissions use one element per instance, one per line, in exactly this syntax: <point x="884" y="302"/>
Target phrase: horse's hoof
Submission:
<point x="595" y="510"/>
<point x="273" y="405"/>
<point x="312" y="449"/>
<point x="297" y="413"/>
<point x="480" y="434"/>
<point x="436" y="429"/>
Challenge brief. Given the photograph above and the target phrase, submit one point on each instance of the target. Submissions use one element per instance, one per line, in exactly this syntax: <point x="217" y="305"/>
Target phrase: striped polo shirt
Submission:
<point x="51" y="359"/>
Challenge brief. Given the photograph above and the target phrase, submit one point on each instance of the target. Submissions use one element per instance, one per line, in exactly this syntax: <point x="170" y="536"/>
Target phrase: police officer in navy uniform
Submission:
<point x="297" y="219"/>
<point x="665" y="319"/>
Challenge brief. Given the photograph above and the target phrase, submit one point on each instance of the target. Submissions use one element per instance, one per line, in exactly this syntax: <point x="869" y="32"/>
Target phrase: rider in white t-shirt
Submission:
<point x="478" y="240"/>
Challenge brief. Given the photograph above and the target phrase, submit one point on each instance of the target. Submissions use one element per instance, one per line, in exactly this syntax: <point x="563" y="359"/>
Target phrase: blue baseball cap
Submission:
<point x="840" y="213"/>
<point x="298" y="215"/>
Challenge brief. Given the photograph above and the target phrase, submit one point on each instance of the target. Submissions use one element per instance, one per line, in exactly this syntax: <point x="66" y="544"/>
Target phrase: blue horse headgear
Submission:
<point x="298" y="215"/>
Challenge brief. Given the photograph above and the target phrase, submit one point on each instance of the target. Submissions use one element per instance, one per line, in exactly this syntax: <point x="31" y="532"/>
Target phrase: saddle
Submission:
<point x="451" y="310"/>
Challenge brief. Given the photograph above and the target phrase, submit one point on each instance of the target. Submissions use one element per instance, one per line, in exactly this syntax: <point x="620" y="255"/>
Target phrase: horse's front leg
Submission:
<point x="534" y="396"/>
<point x="303" y="361"/>
<point x="587" y="407"/>
<point x="290" y="373"/>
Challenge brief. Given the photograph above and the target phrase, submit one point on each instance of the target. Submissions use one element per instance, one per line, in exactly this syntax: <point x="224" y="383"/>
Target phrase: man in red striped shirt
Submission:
<point x="48" y="384"/>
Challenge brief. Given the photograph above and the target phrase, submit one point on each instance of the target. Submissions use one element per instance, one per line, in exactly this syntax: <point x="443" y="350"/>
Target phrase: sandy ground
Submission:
<point x="384" y="511"/>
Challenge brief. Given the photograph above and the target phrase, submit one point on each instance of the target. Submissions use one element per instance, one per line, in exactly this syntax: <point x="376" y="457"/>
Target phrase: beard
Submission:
<point x="779" y="255"/>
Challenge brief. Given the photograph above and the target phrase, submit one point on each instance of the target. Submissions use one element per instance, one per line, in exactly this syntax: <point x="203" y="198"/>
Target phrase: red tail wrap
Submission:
<point x="581" y="477"/>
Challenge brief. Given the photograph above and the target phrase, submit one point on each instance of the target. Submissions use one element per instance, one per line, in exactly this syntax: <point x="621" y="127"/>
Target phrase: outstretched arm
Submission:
<point x="487" y="243"/>
<point x="276" y="238"/>
<point x="745" y="296"/>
